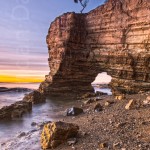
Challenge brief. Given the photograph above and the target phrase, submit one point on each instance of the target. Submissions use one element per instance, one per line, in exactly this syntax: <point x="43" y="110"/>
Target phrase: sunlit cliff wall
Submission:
<point x="113" y="38"/>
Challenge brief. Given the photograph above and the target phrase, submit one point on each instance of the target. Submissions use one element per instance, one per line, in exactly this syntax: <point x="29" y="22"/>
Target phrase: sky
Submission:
<point x="23" y="28"/>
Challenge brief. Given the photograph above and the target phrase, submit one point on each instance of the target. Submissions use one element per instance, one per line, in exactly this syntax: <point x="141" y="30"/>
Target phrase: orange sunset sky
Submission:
<point x="23" y="29"/>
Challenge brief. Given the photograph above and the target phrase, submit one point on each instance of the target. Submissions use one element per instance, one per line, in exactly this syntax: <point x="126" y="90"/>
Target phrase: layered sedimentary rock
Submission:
<point x="35" y="97"/>
<point x="15" y="110"/>
<point x="113" y="38"/>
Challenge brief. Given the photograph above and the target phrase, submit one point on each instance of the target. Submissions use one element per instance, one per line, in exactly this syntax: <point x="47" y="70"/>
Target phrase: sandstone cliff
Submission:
<point x="113" y="38"/>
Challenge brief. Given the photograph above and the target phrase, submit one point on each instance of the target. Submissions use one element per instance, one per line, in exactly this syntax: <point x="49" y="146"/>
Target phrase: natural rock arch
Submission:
<point x="113" y="38"/>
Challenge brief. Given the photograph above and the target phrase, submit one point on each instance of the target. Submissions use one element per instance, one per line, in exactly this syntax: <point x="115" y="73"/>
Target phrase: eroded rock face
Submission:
<point x="56" y="133"/>
<point x="35" y="97"/>
<point x="15" y="110"/>
<point x="113" y="38"/>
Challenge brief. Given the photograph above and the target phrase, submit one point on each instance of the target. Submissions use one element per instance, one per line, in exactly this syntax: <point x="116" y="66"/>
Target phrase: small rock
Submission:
<point x="72" y="141"/>
<point x="115" y="145"/>
<point x="21" y="134"/>
<point x="147" y="101"/>
<point x="41" y="124"/>
<point x="103" y="145"/>
<point x="98" y="99"/>
<point x="3" y="144"/>
<point x="89" y="101"/>
<point x="120" y="124"/>
<point x="33" y="124"/>
<point x="32" y="131"/>
<point x="98" y="107"/>
<point x="140" y="92"/>
<point x="148" y="98"/>
<point x="120" y="97"/>
<point x="83" y="133"/>
<point x="145" y="122"/>
<point x="130" y="105"/>
<point x="107" y="103"/>
<point x="73" y="148"/>
<point x="74" y="111"/>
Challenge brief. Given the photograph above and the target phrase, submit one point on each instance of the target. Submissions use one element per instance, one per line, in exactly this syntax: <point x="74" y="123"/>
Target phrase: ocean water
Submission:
<point x="7" y="98"/>
<point x="20" y="85"/>
<point x="40" y="113"/>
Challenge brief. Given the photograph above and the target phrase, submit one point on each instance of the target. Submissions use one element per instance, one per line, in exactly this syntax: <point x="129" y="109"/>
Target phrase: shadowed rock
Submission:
<point x="15" y="110"/>
<point x="35" y="97"/>
<point x="74" y="111"/>
<point x="98" y="107"/>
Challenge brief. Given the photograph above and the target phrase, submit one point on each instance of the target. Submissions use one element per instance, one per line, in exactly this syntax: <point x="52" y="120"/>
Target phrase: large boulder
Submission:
<point x="56" y="133"/>
<point x="15" y="110"/>
<point x="35" y="97"/>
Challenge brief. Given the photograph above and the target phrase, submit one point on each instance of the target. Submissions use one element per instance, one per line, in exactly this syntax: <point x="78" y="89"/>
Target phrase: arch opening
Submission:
<point x="101" y="83"/>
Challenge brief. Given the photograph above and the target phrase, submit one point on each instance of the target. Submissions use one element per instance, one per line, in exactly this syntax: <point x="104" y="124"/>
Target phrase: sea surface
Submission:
<point x="40" y="113"/>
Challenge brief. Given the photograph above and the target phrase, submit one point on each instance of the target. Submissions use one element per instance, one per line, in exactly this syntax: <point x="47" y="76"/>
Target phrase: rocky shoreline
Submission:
<point x="119" y="124"/>
<point x="16" y="110"/>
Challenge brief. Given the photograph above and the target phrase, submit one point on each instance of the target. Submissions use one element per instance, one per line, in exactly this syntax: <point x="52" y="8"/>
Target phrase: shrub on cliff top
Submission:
<point x="83" y="3"/>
